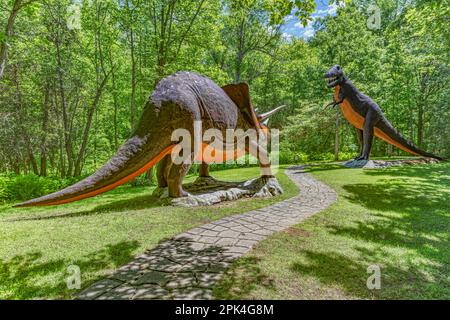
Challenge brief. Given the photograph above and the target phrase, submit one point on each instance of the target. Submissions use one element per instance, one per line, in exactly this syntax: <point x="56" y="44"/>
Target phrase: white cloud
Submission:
<point x="287" y="36"/>
<point x="308" y="33"/>
<point x="295" y="28"/>
<point x="289" y="18"/>
<point x="332" y="8"/>
<point x="308" y="25"/>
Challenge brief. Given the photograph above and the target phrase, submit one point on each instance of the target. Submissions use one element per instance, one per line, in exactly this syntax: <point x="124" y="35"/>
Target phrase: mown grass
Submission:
<point x="396" y="218"/>
<point x="98" y="235"/>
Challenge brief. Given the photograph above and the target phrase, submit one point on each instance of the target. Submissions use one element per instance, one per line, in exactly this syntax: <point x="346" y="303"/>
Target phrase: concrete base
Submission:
<point x="377" y="164"/>
<point x="206" y="191"/>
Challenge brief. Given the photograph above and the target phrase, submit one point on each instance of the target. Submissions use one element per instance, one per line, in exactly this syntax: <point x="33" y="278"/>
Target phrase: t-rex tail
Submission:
<point x="385" y="131"/>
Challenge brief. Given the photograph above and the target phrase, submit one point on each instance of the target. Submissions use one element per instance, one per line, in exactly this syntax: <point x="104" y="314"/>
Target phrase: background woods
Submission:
<point x="72" y="90"/>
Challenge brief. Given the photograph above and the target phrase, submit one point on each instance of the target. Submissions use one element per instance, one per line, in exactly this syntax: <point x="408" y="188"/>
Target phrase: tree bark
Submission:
<point x="65" y="115"/>
<point x="22" y="123"/>
<point x="336" y="137"/>
<point x="420" y="124"/>
<point x="45" y="111"/>
<point x="87" y="127"/>
<point x="116" y="107"/>
<point x="9" y="29"/>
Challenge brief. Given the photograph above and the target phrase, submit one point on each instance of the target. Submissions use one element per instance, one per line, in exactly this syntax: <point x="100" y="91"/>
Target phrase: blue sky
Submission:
<point x="293" y="28"/>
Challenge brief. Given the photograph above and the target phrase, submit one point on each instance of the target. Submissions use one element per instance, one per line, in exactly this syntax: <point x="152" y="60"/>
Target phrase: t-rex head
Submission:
<point x="334" y="76"/>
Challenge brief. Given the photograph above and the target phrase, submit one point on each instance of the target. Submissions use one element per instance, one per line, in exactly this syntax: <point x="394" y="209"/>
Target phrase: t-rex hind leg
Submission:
<point x="263" y="157"/>
<point x="368" y="132"/>
<point x="359" y="136"/>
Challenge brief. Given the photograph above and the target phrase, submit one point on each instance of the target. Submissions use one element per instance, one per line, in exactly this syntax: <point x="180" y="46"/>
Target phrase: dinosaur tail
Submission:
<point x="138" y="154"/>
<point x="385" y="131"/>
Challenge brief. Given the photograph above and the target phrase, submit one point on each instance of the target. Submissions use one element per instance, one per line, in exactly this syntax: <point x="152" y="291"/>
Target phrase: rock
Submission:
<point x="207" y="191"/>
<point x="377" y="164"/>
<point x="358" y="163"/>
<point x="267" y="187"/>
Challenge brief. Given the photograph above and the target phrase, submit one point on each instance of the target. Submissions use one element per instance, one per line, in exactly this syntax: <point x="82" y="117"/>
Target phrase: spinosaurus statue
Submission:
<point x="368" y="118"/>
<point x="177" y="102"/>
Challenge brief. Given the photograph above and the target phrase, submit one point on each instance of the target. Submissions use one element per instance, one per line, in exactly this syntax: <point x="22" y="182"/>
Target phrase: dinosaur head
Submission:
<point x="334" y="76"/>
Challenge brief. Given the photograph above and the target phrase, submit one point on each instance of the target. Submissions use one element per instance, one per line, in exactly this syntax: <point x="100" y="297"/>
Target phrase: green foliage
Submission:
<point x="4" y="192"/>
<point x="54" y="110"/>
<point x="29" y="186"/>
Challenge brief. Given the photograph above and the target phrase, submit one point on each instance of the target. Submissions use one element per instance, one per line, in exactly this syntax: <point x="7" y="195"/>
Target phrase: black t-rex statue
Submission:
<point x="178" y="102"/>
<point x="368" y="118"/>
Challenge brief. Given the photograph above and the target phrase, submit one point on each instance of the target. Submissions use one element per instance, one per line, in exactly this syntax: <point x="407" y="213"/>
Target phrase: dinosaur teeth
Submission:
<point x="332" y="79"/>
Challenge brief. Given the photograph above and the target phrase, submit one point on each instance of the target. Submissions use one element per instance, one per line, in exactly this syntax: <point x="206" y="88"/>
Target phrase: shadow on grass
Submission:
<point x="422" y="220"/>
<point x="316" y="167"/>
<point x="438" y="174"/>
<point x="242" y="278"/>
<point x="26" y="277"/>
<point x="136" y="203"/>
<point x="407" y="215"/>
<point x="405" y="232"/>
<point x="406" y="281"/>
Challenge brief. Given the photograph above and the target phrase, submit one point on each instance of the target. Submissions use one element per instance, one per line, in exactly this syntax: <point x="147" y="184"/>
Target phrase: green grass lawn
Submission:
<point x="396" y="218"/>
<point x="98" y="234"/>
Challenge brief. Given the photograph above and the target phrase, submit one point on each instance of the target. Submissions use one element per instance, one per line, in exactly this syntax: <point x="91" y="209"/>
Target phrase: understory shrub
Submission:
<point x="4" y="193"/>
<point x="29" y="186"/>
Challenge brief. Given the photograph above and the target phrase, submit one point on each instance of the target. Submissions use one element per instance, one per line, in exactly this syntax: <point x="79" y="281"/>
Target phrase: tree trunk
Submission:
<point x="420" y="125"/>
<point x="8" y="33"/>
<point x="336" y="138"/>
<point x="65" y="116"/>
<point x="87" y="128"/>
<point x="22" y="121"/>
<point x="133" y="69"/>
<point x="116" y="107"/>
<point x="240" y="53"/>
<point x="45" y="109"/>
<point x="149" y="176"/>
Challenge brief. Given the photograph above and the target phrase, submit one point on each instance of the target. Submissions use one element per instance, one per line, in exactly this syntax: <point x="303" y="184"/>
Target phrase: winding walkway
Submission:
<point x="189" y="265"/>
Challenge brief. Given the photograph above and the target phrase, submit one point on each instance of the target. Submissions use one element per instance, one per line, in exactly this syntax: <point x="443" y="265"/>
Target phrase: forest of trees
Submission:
<point x="72" y="90"/>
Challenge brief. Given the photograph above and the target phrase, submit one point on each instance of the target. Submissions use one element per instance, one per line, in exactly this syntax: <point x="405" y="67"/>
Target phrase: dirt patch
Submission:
<point x="297" y="232"/>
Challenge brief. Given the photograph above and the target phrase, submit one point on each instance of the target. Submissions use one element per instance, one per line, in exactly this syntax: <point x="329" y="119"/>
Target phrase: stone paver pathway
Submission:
<point x="188" y="265"/>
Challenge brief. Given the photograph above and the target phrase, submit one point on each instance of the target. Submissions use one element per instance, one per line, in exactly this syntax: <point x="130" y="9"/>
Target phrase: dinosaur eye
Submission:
<point x="339" y="68"/>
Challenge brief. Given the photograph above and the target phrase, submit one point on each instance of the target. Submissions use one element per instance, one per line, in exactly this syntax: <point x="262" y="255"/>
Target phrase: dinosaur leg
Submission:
<point x="162" y="170"/>
<point x="359" y="135"/>
<point x="204" y="170"/>
<point x="267" y="184"/>
<point x="368" y="132"/>
<point x="175" y="179"/>
<point x="263" y="157"/>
